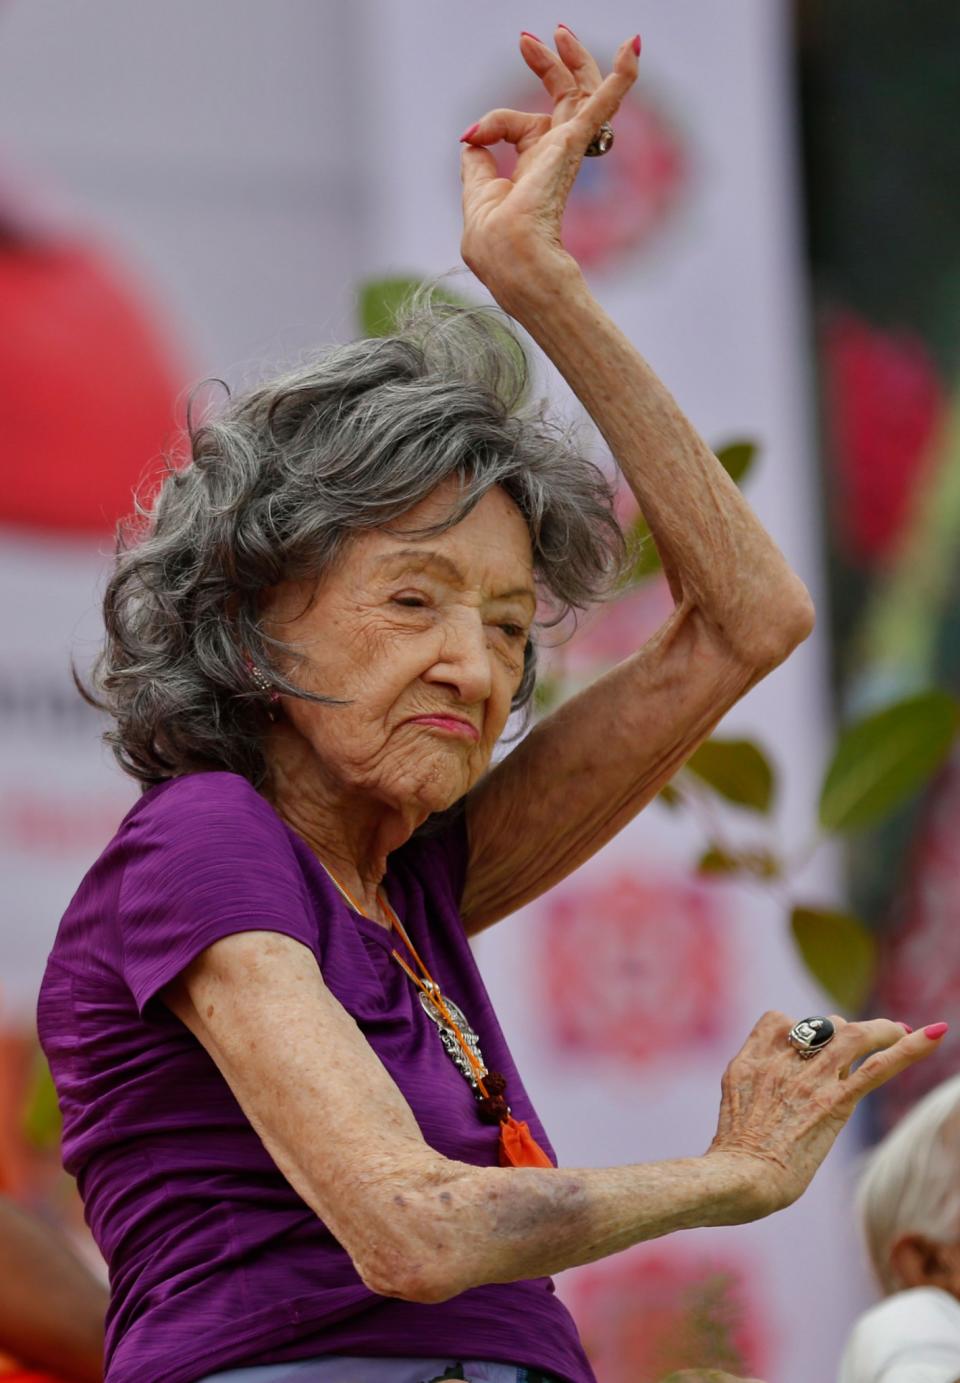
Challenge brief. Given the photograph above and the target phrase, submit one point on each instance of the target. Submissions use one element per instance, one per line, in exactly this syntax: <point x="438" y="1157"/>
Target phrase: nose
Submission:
<point x="463" y="662"/>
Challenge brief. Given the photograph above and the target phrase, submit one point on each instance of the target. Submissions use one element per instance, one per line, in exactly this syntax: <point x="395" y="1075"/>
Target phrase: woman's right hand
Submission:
<point x="784" y="1112"/>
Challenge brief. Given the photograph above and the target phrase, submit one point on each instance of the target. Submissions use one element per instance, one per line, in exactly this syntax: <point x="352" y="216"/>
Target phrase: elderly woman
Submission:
<point x="301" y="1140"/>
<point x="909" y="1203"/>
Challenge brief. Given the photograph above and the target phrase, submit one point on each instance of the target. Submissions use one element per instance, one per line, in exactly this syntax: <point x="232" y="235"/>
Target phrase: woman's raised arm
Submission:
<point x="424" y="1228"/>
<point x="740" y="609"/>
<point x="716" y="555"/>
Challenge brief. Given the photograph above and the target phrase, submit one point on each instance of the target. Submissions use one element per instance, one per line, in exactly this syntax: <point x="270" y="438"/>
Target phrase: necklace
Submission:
<point x="518" y="1147"/>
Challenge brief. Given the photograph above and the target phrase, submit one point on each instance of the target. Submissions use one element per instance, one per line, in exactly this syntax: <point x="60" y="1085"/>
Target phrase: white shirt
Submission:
<point x="911" y="1337"/>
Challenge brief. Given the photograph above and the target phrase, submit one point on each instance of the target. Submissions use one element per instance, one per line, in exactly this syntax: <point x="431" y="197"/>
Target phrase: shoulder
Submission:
<point x="200" y="803"/>
<point x="198" y="792"/>
<point x="924" y="1306"/>
<point x="920" y="1326"/>
<point x="205" y="828"/>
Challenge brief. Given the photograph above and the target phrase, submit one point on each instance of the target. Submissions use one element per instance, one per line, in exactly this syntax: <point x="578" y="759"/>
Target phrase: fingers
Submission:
<point x="572" y="78"/>
<point x="518" y="127"/>
<point x="571" y="74"/>
<point x="857" y="1040"/>
<point x="604" y="103"/>
<point x="879" y="1068"/>
<point x="478" y="168"/>
<point x="886" y="1046"/>
<point x="558" y="79"/>
<point x="578" y="59"/>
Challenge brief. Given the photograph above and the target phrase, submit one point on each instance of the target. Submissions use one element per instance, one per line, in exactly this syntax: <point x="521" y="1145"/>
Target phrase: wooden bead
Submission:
<point x="493" y="1109"/>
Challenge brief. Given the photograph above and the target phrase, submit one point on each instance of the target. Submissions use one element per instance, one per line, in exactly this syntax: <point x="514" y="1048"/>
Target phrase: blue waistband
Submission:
<point x="338" y="1368"/>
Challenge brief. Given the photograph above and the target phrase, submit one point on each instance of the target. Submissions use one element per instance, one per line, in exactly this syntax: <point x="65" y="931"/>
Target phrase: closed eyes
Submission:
<point x="419" y="602"/>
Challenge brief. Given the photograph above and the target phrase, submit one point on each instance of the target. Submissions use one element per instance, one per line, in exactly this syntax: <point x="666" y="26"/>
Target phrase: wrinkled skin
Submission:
<point x="401" y="627"/>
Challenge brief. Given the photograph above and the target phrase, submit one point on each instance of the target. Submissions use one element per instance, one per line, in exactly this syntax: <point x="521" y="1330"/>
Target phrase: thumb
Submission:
<point x="477" y="168"/>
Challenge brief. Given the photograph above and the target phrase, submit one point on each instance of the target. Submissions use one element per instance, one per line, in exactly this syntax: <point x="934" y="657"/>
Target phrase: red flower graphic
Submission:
<point x="885" y="405"/>
<point x="643" y="1314"/>
<point x="621" y="954"/>
<point x="88" y="390"/>
<point x="619" y="203"/>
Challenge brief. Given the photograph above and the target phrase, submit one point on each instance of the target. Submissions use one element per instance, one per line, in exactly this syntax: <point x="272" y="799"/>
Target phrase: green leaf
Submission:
<point x="717" y="861"/>
<point x="41" y="1114"/>
<point x="839" y="952"/>
<point x="380" y="302"/>
<point x="670" y="797"/>
<point x="736" y="769"/>
<point x="762" y="863"/>
<point x="644" y="559"/>
<point x="737" y="458"/>
<point x="881" y="761"/>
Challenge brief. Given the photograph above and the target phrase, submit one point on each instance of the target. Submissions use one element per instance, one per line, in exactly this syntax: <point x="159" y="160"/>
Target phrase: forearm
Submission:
<point x="504" y="1224"/>
<point x="717" y="556"/>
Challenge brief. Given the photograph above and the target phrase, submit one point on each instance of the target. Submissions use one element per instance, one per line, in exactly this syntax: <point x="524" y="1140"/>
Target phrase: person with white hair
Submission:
<point x="909" y="1204"/>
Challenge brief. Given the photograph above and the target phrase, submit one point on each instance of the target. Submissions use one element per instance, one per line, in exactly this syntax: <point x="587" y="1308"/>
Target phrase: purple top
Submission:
<point x="214" y="1259"/>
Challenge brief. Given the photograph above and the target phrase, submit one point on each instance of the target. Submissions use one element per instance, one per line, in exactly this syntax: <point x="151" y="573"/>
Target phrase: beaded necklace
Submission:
<point x="518" y="1147"/>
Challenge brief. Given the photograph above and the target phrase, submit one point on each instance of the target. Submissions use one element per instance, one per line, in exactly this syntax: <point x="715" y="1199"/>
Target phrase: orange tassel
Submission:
<point x="518" y="1147"/>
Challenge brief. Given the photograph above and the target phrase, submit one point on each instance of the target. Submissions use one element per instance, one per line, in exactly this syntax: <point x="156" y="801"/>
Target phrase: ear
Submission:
<point x="922" y="1262"/>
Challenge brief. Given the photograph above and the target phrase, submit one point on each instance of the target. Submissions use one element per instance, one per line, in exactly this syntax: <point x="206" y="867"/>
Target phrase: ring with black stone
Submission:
<point x="810" y="1036"/>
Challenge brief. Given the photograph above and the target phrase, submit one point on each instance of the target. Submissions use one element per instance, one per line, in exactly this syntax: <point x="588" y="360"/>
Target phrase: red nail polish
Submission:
<point x="906" y="1027"/>
<point x="935" y="1030"/>
<point x="636" y="45"/>
<point x="568" y="29"/>
<point x="468" y="134"/>
<point x="525" y="33"/>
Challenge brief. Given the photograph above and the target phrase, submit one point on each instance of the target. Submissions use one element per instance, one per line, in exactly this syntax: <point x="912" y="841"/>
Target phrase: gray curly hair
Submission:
<point x="279" y="481"/>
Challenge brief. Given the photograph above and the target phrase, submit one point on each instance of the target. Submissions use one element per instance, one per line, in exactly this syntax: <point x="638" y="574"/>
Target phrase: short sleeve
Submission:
<point x="203" y="857"/>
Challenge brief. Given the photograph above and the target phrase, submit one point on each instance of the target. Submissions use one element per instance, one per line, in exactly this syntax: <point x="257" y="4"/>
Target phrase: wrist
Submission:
<point x="537" y="285"/>
<point x="744" y="1190"/>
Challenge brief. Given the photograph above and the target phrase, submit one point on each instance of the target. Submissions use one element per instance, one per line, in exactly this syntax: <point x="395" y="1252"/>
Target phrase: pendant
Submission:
<point x="449" y="1039"/>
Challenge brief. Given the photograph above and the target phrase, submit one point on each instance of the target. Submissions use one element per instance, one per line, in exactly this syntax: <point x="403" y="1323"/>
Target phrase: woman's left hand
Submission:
<point x="511" y="226"/>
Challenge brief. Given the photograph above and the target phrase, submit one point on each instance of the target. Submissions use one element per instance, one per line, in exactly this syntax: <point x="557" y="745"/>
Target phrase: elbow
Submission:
<point x="800" y="614"/>
<point x="793" y="621"/>
<point x="408" y="1239"/>
<point x="798" y="620"/>
<point x="427" y="1276"/>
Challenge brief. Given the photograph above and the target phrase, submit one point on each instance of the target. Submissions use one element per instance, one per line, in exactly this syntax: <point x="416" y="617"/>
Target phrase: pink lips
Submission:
<point x="453" y="725"/>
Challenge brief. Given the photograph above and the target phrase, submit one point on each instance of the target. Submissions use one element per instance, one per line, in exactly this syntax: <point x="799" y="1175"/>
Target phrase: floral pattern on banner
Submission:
<point x="612" y="630"/>
<point x="623" y="955"/>
<point x="620" y="204"/>
<point x="646" y="1313"/>
<point x="919" y="977"/>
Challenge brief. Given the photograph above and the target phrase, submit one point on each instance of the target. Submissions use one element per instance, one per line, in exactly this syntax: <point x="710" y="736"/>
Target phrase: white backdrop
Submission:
<point x="255" y="162"/>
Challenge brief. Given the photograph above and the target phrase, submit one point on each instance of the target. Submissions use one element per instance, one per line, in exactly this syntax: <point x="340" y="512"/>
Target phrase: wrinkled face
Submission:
<point x="424" y="638"/>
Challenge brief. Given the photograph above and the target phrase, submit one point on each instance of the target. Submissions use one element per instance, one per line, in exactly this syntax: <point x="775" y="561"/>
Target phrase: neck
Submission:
<point x="350" y="832"/>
